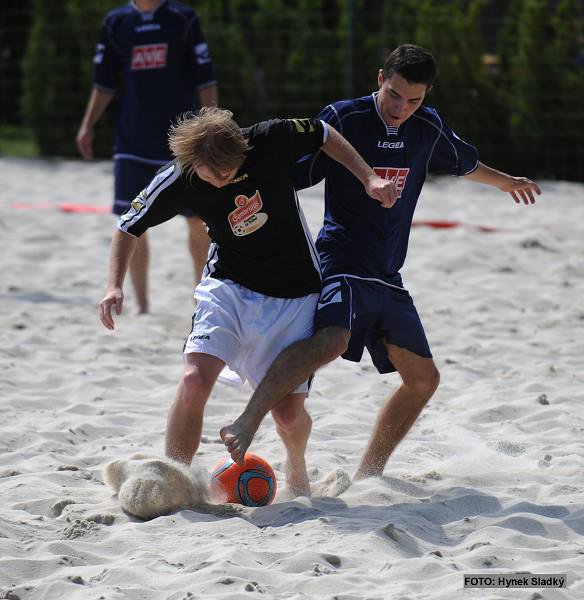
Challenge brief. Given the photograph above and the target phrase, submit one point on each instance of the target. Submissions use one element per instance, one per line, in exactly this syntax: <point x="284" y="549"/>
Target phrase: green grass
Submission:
<point x="17" y="141"/>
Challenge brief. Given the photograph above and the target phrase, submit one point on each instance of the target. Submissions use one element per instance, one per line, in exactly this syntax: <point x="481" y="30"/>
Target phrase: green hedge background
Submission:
<point x="510" y="80"/>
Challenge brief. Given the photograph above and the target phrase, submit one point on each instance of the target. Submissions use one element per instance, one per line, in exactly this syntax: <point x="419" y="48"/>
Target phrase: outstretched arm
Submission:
<point x="122" y="250"/>
<point x="520" y="188"/>
<point x="338" y="148"/>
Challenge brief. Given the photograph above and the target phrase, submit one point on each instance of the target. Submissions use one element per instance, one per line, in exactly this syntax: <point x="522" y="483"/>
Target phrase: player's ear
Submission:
<point x="428" y="88"/>
<point x="380" y="78"/>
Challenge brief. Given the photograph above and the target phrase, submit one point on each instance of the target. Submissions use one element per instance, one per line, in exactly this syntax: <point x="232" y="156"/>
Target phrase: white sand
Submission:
<point x="489" y="479"/>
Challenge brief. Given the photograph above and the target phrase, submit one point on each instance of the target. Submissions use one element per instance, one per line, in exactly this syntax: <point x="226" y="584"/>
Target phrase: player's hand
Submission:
<point x="521" y="189"/>
<point x="84" y="141"/>
<point x="382" y="190"/>
<point x="114" y="298"/>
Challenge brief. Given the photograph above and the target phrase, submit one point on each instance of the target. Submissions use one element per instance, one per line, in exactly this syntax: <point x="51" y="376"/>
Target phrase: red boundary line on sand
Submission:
<point x="63" y="207"/>
<point x="452" y="224"/>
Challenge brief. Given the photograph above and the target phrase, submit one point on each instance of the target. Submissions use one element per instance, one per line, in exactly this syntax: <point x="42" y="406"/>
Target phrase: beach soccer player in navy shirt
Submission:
<point x="363" y="302"/>
<point x="152" y="53"/>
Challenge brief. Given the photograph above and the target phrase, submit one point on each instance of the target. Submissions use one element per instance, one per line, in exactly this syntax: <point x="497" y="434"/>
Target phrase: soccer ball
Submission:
<point x="250" y="484"/>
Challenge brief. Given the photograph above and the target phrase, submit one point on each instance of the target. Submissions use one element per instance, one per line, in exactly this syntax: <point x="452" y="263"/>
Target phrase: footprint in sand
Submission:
<point x="333" y="485"/>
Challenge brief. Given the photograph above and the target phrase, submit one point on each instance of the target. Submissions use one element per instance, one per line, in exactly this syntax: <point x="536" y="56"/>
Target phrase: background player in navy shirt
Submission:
<point x="262" y="280"/>
<point x="154" y="55"/>
<point x="363" y="302"/>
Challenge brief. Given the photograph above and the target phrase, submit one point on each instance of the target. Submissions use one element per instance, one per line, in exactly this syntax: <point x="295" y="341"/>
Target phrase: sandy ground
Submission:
<point x="488" y="481"/>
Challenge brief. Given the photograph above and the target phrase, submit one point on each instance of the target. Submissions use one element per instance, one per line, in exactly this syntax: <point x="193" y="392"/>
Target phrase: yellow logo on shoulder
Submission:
<point x="303" y="125"/>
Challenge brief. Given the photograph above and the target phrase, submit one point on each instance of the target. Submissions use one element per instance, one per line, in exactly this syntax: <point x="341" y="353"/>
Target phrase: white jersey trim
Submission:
<point x="389" y="129"/>
<point x="207" y="84"/>
<point x="211" y="260"/>
<point x="340" y="129"/>
<point x="308" y="235"/>
<point x="148" y="161"/>
<point x="139" y="207"/>
<point x="372" y="279"/>
<point x="103" y="88"/>
<point x="325" y="134"/>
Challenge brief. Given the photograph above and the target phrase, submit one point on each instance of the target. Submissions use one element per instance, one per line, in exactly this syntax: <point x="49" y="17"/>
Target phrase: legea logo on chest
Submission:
<point x="246" y="218"/>
<point x="398" y="176"/>
<point x="390" y="145"/>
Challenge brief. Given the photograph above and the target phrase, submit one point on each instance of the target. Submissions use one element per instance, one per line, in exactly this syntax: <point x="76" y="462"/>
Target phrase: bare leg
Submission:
<point x="185" y="418"/>
<point x="291" y="367"/>
<point x="420" y="379"/>
<point x="139" y="264"/>
<point x="198" y="245"/>
<point x="293" y="424"/>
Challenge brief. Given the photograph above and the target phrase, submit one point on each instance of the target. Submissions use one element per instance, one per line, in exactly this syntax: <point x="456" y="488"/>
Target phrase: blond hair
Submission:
<point x="210" y="138"/>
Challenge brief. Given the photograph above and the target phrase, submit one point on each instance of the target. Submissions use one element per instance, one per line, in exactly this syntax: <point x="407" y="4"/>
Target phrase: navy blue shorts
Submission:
<point x="373" y="313"/>
<point x="131" y="177"/>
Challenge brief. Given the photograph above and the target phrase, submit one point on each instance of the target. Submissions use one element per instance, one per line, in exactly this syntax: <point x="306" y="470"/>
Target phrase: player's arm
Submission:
<point x="122" y="249"/>
<point x="520" y="188"/>
<point x="107" y="70"/>
<point x="98" y="101"/>
<point x="208" y="95"/>
<point x="202" y="63"/>
<point x="162" y="200"/>
<point x="339" y="149"/>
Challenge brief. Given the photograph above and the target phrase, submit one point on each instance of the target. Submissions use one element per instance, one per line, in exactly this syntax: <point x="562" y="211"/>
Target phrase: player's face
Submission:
<point x="215" y="178"/>
<point x="398" y="99"/>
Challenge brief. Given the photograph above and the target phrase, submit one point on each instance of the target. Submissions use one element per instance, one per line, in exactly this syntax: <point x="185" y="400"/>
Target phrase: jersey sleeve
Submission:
<point x="158" y="203"/>
<point x="311" y="168"/>
<point x="304" y="136"/>
<point x="204" y="72"/>
<point x="288" y="139"/>
<point x="107" y="60"/>
<point x="452" y="155"/>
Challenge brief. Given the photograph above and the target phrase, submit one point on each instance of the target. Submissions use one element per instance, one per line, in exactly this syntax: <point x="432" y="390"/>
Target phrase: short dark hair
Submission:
<point x="414" y="63"/>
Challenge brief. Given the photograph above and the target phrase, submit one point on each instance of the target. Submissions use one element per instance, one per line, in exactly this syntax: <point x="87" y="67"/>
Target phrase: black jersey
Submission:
<point x="259" y="233"/>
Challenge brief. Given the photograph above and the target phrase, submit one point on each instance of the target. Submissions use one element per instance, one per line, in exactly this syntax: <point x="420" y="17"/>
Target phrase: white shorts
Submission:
<point x="247" y="330"/>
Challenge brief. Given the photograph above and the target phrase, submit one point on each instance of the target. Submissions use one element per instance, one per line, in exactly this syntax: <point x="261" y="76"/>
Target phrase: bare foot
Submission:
<point x="237" y="438"/>
<point x="140" y="309"/>
<point x="297" y="479"/>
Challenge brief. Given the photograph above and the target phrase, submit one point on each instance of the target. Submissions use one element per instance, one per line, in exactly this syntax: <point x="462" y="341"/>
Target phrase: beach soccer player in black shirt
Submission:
<point x="261" y="283"/>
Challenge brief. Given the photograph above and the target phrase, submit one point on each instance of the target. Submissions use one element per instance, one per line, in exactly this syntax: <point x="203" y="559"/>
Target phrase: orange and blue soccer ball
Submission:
<point x="250" y="484"/>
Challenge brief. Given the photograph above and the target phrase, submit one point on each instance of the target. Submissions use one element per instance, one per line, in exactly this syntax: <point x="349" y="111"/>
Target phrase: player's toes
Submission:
<point x="231" y="443"/>
<point x="237" y="455"/>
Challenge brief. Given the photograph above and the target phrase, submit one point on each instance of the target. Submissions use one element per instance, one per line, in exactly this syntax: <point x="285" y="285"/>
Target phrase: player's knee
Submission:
<point x="332" y="342"/>
<point x="291" y="415"/>
<point x="428" y="383"/>
<point x="196" y="386"/>
<point x="434" y="380"/>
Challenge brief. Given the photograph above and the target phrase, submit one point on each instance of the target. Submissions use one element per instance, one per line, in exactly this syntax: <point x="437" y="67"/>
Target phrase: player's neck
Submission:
<point x="147" y="5"/>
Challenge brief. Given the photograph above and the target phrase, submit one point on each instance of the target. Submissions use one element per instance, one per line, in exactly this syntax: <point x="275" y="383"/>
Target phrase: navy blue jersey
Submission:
<point x="157" y="61"/>
<point x="259" y="234"/>
<point x="359" y="237"/>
